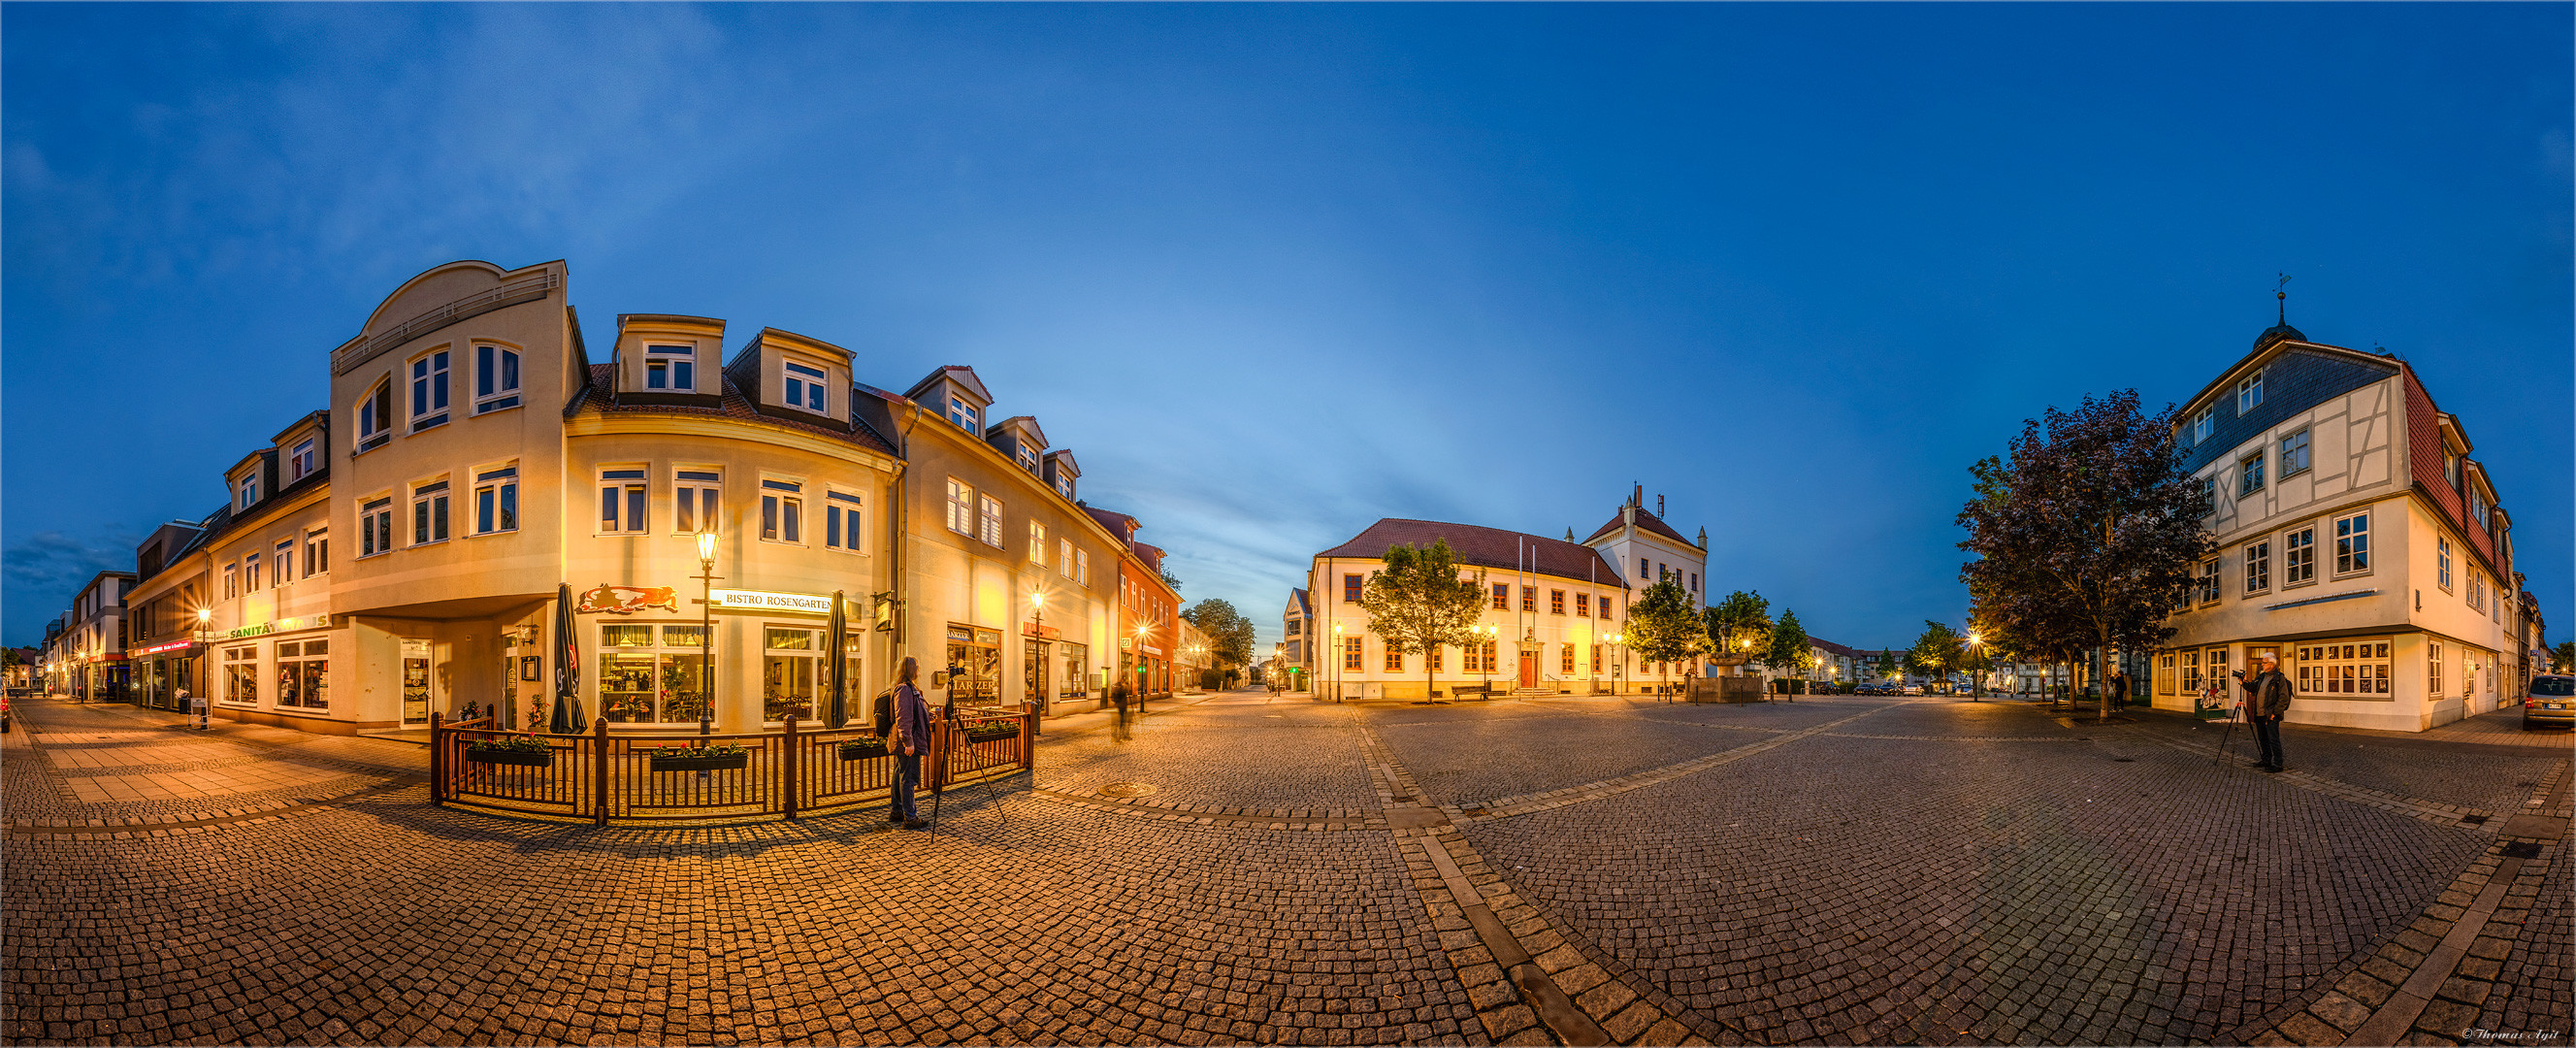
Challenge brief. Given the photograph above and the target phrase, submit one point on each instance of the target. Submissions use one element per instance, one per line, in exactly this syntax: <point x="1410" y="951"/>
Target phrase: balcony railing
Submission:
<point x="347" y="358"/>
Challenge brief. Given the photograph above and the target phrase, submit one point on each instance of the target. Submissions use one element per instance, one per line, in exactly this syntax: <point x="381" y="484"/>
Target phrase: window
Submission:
<point x="376" y="527"/>
<point x="1502" y="596"/>
<point x="2477" y="592"/>
<point x="496" y="500"/>
<point x="1394" y="659"/>
<point x="651" y="674"/>
<point x="2478" y="507"/>
<point x="1438" y="656"/>
<point x="2209" y="493"/>
<point x="1064" y="483"/>
<point x="317" y="552"/>
<point x="1076" y="682"/>
<point x="2294" y="453"/>
<point x="964" y="414"/>
<point x="1596" y="658"/>
<point x="1082" y="567"/>
<point x="1529" y="598"/>
<point x="1350" y="589"/>
<point x="2165" y="680"/>
<point x="674" y="368"/>
<point x="1037" y="544"/>
<point x="2249" y="475"/>
<point x="621" y="500"/>
<point x="1605" y="608"/>
<point x="376" y="417"/>
<point x="496" y="378"/>
<point x="961" y="507"/>
<point x="2191" y="673"/>
<point x="429" y="391"/>
<point x="241" y="674"/>
<point x="804" y="386"/>
<point x="2249" y="393"/>
<point x="841" y="521"/>
<point x="429" y="513"/>
<point x="2209" y="580"/>
<point x="2442" y="561"/>
<point x="299" y="463"/>
<point x="2258" y="567"/>
<point x="284" y="559"/>
<point x="2433" y="669"/>
<point x="232" y="582"/>
<point x="1694" y="580"/>
<point x="2203" y="424"/>
<point x="249" y="491"/>
<point x="782" y="511"/>
<point x="2451" y="466"/>
<point x="1556" y="602"/>
<point x="1351" y="653"/>
<point x="697" y="500"/>
<point x="791" y="673"/>
<point x="250" y="573"/>
<point x="1028" y="456"/>
<point x="977" y="655"/>
<point x="303" y="674"/>
<point x="991" y="528"/>
<point x="2300" y="561"/>
<point x="1565" y="659"/>
<point x="1582" y="605"/>
<point x="2352" y="543"/>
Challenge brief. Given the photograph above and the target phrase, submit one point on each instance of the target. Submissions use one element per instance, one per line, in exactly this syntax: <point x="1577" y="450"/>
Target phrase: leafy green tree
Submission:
<point x="1789" y="651"/>
<point x="1936" y="652"/>
<point x="1418" y="602"/>
<point x="1229" y="633"/>
<point x="1168" y="579"/>
<point x="1739" y="626"/>
<point x="2563" y="657"/>
<point x="1663" y="628"/>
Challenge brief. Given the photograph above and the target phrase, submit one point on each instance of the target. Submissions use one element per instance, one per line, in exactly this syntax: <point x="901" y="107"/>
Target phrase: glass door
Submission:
<point x="415" y="681"/>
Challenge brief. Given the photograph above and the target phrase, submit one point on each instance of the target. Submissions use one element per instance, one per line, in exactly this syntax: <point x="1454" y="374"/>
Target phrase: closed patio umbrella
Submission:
<point x="569" y="719"/>
<point x="840" y="663"/>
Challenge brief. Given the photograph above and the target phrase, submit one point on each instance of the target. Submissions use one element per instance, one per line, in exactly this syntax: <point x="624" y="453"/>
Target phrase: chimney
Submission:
<point x="1659" y="505"/>
<point x="1637" y="497"/>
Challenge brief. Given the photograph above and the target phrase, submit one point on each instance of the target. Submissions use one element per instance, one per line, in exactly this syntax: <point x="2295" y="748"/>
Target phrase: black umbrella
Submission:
<point x="840" y="663"/>
<point x="569" y="718"/>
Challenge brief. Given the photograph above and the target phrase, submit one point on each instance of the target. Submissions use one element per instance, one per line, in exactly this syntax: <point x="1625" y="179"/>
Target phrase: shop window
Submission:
<point x="241" y="675"/>
<point x="303" y="674"/>
<point x="974" y="666"/>
<point x="2343" y="668"/>
<point x="651" y="674"/>
<point x="1074" y="682"/>
<point x="791" y="676"/>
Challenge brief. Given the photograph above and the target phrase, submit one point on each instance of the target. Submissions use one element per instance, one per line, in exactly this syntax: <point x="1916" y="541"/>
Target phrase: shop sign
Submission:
<point x="159" y="648"/>
<point x="1152" y="650"/>
<point x="1041" y="632"/>
<point x="280" y="626"/>
<point x="764" y="600"/>
<point x="627" y="600"/>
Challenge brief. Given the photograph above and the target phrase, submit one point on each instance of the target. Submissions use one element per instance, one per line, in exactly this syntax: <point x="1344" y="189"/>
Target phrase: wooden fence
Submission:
<point x="603" y="778"/>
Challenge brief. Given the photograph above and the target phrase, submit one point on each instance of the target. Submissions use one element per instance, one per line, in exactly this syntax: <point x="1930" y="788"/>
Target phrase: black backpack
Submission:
<point x="884" y="713"/>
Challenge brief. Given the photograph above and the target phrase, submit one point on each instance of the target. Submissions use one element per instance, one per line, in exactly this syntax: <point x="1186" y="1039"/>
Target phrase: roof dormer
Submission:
<point x="792" y="377"/>
<point x="956" y="394"/>
<point x="303" y="449"/>
<point x="1020" y="438"/>
<point x="1061" y="472"/>
<point x="251" y="480"/>
<point x="669" y="359"/>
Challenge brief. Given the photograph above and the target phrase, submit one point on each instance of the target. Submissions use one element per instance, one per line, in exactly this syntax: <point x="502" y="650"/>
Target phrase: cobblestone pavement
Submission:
<point x="1840" y="870"/>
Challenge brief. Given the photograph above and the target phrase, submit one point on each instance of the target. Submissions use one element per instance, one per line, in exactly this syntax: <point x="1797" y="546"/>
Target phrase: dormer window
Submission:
<point x="673" y="368"/>
<point x="1064" y="483"/>
<point x="496" y="378"/>
<point x="2451" y="467"/>
<point x="2249" y="393"/>
<point x="805" y="387"/>
<point x="300" y="463"/>
<point x="1028" y="457"/>
<point x="376" y="417"/>
<point x="429" y="391"/>
<point x="964" y="414"/>
<point x="249" y="491"/>
<point x="2202" y="426"/>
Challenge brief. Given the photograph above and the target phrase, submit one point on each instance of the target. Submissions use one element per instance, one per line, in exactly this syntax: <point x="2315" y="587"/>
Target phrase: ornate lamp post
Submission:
<point x="1978" y="685"/>
<point x="1337" y="662"/>
<point x="707" y="633"/>
<point x="1037" y="608"/>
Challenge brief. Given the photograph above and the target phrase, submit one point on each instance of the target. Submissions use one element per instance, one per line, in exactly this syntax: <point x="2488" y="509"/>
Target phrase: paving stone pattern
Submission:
<point x="1930" y="871"/>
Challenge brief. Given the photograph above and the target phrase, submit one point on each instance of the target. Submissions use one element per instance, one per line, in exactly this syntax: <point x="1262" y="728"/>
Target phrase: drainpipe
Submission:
<point x="902" y="536"/>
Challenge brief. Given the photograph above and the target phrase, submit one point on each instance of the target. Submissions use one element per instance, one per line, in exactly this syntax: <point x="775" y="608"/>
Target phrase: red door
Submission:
<point x="1529" y="671"/>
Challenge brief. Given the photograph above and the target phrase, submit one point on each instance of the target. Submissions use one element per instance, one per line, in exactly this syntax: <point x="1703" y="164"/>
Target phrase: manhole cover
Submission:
<point x="1127" y="789"/>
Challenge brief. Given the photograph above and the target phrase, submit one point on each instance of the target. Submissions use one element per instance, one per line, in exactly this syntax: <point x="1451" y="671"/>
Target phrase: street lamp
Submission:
<point x="1618" y="659"/>
<point x="707" y="632"/>
<point x="1485" y="654"/>
<point x="1977" y="687"/>
<point x="1337" y="662"/>
<point x="1141" y="672"/>
<point x="1037" y="608"/>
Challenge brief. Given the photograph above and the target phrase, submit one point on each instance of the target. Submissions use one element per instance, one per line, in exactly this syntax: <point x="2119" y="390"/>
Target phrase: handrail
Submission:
<point x="353" y="353"/>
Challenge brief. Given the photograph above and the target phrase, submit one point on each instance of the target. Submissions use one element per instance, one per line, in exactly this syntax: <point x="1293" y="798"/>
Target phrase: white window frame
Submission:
<point x="795" y="378"/>
<point x="1028" y="456"/>
<point x="282" y="561"/>
<point x="429" y="377"/>
<point x="2258" y="566"/>
<point x="2249" y="392"/>
<point x="673" y="364"/>
<point x="697" y="499"/>
<point x="299" y="462"/>
<point x="1063" y="483"/>
<point x="842" y="521"/>
<point x="2442" y="562"/>
<point x="232" y="581"/>
<point x="496" y="499"/>
<point x="2203" y="424"/>
<point x="1082" y="567"/>
<point x="2352" y="547"/>
<point x="2295" y="453"/>
<point x="966" y="416"/>
<point x="2249" y="475"/>
<point x="961" y="507"/>
<point x="1064" y="557"/>
<point x="782" y="510"/>
<point x="375" y="417"/>
<point x="250" y="573"/>
<point x="625" y="489"/>
<point x="989" y="520"/>
<point x="247" y="491"/>
<point x="376" y="526"/>
<point x="2299" y="556"/>
<point x="496" y="377"/>
<point x="430" y="522"/>
<point x="244" y="657"/>
<point x="317" y="552"/>
<point x="1037" y="544"/>
<point x="2210" y="590"/>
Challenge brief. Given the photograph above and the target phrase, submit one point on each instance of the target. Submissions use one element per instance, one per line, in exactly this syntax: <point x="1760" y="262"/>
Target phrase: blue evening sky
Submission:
<point x="1274" y="272"/>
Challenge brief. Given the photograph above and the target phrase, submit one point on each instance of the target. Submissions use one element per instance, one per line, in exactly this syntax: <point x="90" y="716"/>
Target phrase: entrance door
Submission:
<point x="1033" y="663"/>
<point x="415" y="681"/>
<point x="1529" y="670"/>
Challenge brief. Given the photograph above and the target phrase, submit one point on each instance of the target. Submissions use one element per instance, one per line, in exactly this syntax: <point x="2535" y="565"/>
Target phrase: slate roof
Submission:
<point x="1488" y="548"/>
<point x="1646" y="521"/>
<point x="1299" y="597"/>
<point x="597" y="398"/>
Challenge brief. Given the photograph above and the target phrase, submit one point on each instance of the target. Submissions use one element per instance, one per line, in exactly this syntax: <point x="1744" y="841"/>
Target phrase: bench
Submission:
<point x="1482" y="691"/>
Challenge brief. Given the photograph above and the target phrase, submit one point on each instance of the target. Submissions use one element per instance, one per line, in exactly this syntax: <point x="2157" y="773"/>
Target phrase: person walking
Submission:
<point x="2267" y="698"/>
<point x="1118" y="695"/>
<point x="2119" y="689"/>
<point x="911" y="737"/>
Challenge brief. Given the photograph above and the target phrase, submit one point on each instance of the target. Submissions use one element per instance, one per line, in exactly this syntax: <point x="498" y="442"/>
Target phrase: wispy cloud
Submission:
<point x="46" y="570"/>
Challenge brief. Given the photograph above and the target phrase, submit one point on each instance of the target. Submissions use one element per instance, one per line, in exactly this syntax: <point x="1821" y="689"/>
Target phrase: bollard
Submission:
<point x="791" y="767"/>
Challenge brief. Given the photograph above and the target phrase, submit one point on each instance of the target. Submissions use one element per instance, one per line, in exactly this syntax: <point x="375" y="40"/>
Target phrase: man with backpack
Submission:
<point x="905" y="724"/>
<point x="2267" y="698"/>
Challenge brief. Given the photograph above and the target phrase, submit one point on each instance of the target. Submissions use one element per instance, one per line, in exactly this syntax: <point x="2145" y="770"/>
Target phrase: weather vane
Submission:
<point x="2281" y="295"/>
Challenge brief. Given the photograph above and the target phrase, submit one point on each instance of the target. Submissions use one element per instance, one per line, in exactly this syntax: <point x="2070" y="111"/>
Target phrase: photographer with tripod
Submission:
<point x="2267" y="698"/>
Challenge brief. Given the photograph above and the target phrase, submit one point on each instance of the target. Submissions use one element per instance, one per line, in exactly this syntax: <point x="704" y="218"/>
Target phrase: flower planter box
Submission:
<point x="860" y="753"/>
<point x="519" y="758"/>
<point x="701" y="763"/>
<point x="990" y="735"/>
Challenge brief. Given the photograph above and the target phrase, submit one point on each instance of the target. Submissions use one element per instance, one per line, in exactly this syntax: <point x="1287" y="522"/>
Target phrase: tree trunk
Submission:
<point x="2103" y="690"/>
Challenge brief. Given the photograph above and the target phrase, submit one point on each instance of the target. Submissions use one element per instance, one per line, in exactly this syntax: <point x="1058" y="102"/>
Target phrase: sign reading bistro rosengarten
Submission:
<point x="765" y="600"/>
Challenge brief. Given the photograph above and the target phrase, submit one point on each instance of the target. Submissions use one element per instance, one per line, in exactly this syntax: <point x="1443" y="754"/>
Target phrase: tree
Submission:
<point x="1936" y="652"/>
<point x="1740" y="625"/>
<point x="2563" y="657"/>
<point x="1789" y="651"/>
<point x="1168" y="580"/>
<point x="1418" y="602"/>
<point x="2089" y="516"/>
<point x="1663" y="628"/>
<point x="1229" y="633"/>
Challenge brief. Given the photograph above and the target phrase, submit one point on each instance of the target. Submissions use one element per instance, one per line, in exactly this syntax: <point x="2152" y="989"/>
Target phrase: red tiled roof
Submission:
<point x="1845" y="651"/>
<point x="735" y="406"/>
<point x="1646" y="521"/>
<point x="1485" y="548"/>
<point x="1119" y="524"/>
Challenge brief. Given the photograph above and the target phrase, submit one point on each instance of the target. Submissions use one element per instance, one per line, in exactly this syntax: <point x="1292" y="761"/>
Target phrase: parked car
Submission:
<point x="2552" y="701"/>
<point x="1914" y="689"/>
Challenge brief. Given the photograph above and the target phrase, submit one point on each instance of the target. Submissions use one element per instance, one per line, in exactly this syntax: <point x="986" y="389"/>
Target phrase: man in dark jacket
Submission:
<point x="911" y="740"/>
<point x="2267" y="697"/>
